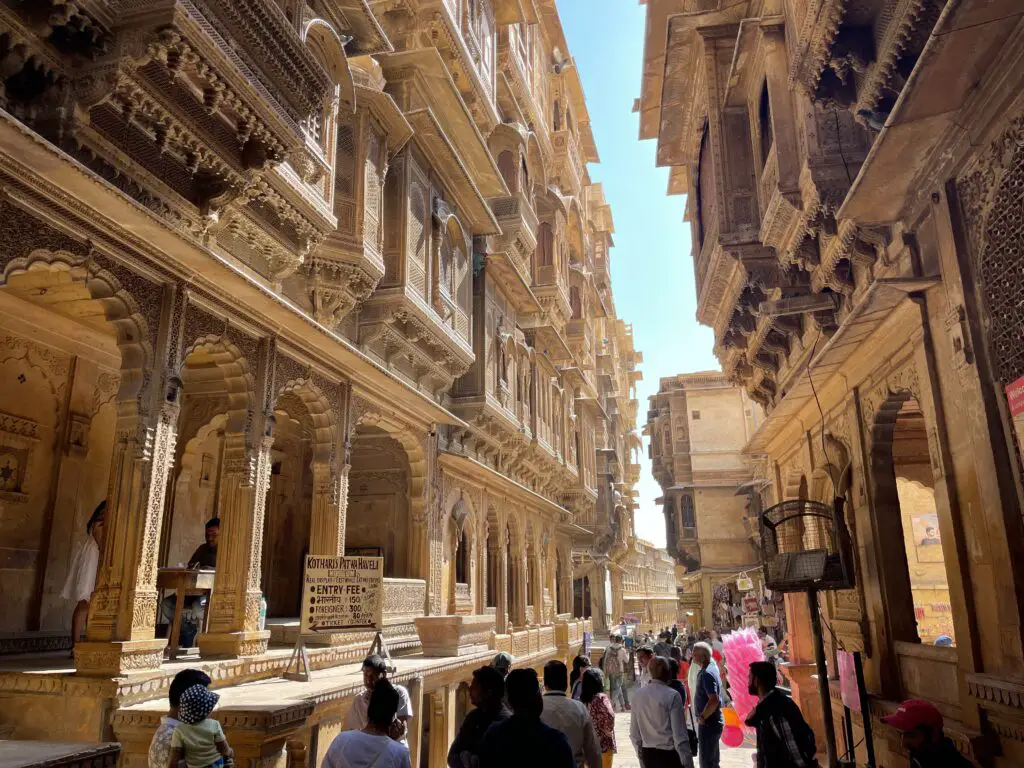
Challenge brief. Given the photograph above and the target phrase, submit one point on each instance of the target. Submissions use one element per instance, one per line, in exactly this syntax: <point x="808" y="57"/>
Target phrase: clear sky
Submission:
<point x="652" y="267"/>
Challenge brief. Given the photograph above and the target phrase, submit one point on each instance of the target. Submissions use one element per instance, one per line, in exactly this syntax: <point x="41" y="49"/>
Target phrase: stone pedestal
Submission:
<point x="233" y="644"/>
<point x="114" y="658"/>
<point x="454" y="635"/>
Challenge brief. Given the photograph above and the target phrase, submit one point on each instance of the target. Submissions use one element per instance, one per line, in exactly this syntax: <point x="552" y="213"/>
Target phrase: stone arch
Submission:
<point x="120" y="308"/>
<point x="459" y="544"/>
<point x="236" y="376"/>
<point x="192" y="499"/>
<point x="325" y="428"/>
<point x="414" y="452"/>
<point x="323" y="39"/>
<point x="899" y="450"/>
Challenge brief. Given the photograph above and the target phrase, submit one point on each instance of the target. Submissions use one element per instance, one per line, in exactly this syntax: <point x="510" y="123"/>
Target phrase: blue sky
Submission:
<point x="652" y="268"/>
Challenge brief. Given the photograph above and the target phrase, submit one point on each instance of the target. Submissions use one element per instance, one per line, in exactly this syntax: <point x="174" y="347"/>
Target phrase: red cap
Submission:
<point x="913" y="713"/>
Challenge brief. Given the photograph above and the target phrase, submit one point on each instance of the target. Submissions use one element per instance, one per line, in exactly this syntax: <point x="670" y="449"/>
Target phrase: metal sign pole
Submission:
<point x="865" y="709"/>
<point x="826" y="698"/>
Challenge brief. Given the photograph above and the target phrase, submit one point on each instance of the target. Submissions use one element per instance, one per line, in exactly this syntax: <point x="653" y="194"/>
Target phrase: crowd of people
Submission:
<point x="563" y="719"/>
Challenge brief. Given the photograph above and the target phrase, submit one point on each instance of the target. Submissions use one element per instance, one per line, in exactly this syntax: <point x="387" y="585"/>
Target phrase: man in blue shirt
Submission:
<point x="707" y="704"/>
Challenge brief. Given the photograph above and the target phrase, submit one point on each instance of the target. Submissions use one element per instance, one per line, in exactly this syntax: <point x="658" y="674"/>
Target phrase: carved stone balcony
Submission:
<point x="513" y="250"/>
<point x="780" y="208"/>
<point x="568" y="164"/>
<point x="515" y="87"/>
<point x="196" y="103"/>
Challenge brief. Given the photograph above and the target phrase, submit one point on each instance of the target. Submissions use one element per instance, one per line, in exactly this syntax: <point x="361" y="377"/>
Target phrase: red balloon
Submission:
<point x="732" y="736"/>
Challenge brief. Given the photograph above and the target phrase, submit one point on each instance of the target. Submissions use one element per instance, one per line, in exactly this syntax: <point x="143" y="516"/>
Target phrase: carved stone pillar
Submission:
<point x="442" y="724"/>
<point x="780" y="96"/>
<point x="538" y="589"/>
<point x="497" y="559"/>
<point x="122" y="612"/>
<point x="235" y="605"/>
<point x="330" y="507"/>
<point x="522" y="567"/>
<point x="327" y="528"/>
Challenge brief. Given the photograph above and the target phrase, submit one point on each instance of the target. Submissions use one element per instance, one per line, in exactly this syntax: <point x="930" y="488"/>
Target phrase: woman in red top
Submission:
<point x="601" y="712"/>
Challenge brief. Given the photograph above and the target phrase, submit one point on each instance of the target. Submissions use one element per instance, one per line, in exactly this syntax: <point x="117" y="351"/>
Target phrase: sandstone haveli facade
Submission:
<point x="335" y="272"/>
<point x="852" y="173"/>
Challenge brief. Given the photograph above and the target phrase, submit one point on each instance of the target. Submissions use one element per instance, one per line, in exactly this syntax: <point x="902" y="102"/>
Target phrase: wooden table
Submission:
<point x="184" y="581"/>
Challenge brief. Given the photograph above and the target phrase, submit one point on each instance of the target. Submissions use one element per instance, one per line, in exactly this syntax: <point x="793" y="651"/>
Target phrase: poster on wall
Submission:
<point x="1015" y="399"/>
<point x="926" y="530"/>
<point x="848" y="689"/>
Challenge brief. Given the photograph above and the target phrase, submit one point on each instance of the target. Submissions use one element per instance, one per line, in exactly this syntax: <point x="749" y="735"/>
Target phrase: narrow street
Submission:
<point x="626" y="757"/>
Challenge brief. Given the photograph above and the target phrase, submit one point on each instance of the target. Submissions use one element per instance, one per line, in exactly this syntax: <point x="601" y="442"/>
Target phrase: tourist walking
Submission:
<point x="569" y="716"/>
<point x="503" y="663"/>
<point x="707" y="704"/>
<point x="921" y="733"/>
<point x="784" y="740"/>
<point x="664" y="645"/>
<point x="372" y="746"/>
<point x="616" y="661"/>
<point x="657" y="730"/>
<point x="602" y="715"/>
<point x="643" y="657"/>
<point x="375" y="669"/>
<point x="524" y="739"/>
<point x="579" y="664"/>
<point x="487" y="694"/>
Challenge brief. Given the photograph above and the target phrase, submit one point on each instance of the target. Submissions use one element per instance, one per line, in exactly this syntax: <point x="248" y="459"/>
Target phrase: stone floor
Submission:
<point x="740" y="757"/>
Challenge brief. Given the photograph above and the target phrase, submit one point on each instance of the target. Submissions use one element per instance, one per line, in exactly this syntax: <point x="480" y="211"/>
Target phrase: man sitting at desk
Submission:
<point x="205" y="557"/>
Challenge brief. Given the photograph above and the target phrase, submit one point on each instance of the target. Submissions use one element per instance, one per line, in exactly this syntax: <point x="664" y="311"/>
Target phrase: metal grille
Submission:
<point x="805" y="546"/>
<point x="1002" y="270"/>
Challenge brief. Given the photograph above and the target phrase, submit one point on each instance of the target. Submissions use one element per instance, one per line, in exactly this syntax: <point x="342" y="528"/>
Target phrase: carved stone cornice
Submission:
<point x="815" y="33"/>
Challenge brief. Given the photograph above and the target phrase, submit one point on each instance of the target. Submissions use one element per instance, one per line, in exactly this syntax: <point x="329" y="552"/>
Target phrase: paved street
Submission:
<point x="626" y="757"/>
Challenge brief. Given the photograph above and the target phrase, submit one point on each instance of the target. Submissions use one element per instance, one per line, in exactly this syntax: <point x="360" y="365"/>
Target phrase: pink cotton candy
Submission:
<point x="742" y="648"/>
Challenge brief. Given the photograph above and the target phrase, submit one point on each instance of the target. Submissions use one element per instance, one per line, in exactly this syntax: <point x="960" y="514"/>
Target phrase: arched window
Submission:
<point x="524" y="178"/>
<point x="545" y="246"/>
<point x="507" y="166"/>
<point x="764" y="114"/>
<point x="689" y="516"/>
<point x="557" y="117"/>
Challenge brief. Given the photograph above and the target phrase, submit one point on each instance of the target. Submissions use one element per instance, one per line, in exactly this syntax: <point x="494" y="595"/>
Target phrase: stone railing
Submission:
<point x="930" y="672"/>
<point x="404" y="599"/>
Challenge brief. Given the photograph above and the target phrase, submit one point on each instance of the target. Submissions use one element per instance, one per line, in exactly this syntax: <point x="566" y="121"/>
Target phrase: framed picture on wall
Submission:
<point x="926" y="529"/>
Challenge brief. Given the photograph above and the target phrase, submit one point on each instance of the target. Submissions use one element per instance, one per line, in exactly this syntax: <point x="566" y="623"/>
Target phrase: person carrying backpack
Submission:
<point x="784" y="739"/>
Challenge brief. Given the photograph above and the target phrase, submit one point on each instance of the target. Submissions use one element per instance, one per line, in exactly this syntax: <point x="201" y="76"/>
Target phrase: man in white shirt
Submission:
<point x="657" y="729"/>
<point x="569" y="716"/>
<point x="376" y="668"/>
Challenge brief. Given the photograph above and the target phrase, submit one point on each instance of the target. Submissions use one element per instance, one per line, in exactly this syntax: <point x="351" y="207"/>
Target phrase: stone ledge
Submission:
<point x="459" y="635"/>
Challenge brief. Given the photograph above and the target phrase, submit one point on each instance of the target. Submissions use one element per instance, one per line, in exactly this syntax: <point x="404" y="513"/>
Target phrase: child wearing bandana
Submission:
<point x="199" y="740"/>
